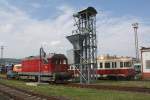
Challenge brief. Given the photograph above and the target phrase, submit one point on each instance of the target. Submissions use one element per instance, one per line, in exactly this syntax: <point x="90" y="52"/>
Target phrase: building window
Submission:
<point x="114" y="64"/>
<point x="147" y="64"/>
<point x="121" y="64"/>
<point x="101" y="65"/>
<point x="107" y="65"/>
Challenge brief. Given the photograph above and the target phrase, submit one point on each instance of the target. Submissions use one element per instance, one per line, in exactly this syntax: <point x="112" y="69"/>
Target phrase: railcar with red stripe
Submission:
<point x="112" y="67"/>
<point x="115" y="67"/>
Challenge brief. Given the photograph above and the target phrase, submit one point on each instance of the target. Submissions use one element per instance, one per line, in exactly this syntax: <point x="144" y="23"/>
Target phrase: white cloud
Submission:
<point x="24" y="35"/>
<point x="55" y="43"/>
<point x="116" y="36"/>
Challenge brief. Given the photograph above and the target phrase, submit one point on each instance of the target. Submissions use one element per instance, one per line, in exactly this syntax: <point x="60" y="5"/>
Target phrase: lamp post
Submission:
<point x="2" y="51"/>
<point x="135" y="27"/>
<point x="40" y="63"/>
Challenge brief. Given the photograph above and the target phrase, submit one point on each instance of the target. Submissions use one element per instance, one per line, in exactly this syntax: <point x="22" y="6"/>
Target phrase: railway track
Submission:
<point x="21" y="94"/>
<point x="91" y="86"/>
<point x="110" y="87"/>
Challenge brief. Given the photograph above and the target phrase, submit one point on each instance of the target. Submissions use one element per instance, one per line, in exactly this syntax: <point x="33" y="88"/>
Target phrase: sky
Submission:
<point x="26" y="25"/>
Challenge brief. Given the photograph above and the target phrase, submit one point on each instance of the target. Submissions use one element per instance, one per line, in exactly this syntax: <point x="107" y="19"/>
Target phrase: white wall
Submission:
<point x="145" y="56"/>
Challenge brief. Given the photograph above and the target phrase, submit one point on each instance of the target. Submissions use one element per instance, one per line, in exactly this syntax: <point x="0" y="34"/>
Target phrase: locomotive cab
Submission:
<point x="60" y="67"/>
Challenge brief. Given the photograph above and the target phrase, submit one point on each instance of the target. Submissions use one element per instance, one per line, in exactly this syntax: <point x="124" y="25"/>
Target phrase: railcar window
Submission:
<point x="127" y="64"/>
<point x="121" y="64"/>
<point x="107" y="65"/>
<point x="114" y="64"/>
<point x="101" y="65"/>
<point x="147" y="64"/>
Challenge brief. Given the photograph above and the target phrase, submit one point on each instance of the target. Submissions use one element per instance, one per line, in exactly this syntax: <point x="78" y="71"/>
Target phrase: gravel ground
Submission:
<point x="4" y="97"/>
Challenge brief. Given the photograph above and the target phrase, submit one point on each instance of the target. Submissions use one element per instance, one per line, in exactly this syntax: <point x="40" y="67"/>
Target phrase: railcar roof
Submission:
<point x="145" y="49"/>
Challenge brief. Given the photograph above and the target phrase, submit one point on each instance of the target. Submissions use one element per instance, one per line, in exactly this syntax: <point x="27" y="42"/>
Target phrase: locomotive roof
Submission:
<point x="49" y="56"/>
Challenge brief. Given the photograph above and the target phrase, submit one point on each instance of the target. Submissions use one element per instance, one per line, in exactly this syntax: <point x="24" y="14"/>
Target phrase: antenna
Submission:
<point x="135" y="27"/>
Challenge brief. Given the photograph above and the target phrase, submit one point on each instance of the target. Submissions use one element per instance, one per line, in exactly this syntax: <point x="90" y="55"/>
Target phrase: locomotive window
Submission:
<point x="147" y="64"/>
<point x="107" y="65"/>
<point x="60" y="61"/>
<point x="64" y="61"/>
<point x="121" y="64"/>
<point x="57" y="61"/>
<point x="101" y="65"/>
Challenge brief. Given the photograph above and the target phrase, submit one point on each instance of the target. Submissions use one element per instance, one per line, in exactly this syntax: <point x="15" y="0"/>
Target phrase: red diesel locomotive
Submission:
<point x="53" y="67"/>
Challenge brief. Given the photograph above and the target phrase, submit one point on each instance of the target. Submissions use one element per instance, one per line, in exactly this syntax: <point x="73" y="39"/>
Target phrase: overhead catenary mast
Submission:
<point x="135" y="27"/>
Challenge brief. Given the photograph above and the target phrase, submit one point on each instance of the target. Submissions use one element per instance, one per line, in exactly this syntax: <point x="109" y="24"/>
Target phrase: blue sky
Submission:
<point x="28" y="24"/>
<point x="47" y="8"/>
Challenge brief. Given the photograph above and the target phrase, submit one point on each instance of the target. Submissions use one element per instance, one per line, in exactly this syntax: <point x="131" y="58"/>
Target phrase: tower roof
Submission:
<point x="90" y="11"/>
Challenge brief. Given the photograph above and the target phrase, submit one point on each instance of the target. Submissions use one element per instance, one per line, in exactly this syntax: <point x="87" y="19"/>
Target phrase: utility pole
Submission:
<point x="40" y="63"/>
<point x="2" y="51"/>
<point x="42" y="57"/>
<point x="135" y="27"/>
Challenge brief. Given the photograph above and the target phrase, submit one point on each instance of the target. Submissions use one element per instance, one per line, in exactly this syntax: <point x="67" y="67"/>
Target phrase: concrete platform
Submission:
<point x="36" y="83"/>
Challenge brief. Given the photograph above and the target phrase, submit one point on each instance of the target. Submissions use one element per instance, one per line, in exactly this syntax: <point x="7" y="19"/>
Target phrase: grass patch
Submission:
<point x="78" y="93"/>
<point x="124" y="83"/>
<point x="3" y="75"/>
